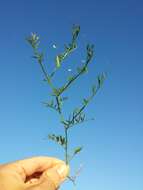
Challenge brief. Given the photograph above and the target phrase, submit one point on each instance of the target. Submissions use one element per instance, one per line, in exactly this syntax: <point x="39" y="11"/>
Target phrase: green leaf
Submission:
<point x="58" y="62"/>
<point x="66" y="123"/>
<point x="70" y="78"/>
<point x="93" y="89"/>
<point x="85" y="70"/>
<point x="56" y="91"/>
<point x="75" y="31"/>
<point x="62" y="140"/>
<point x="58" y="139"/>
<point x="90" y="52"/>
<point x="77" y="150"/>
<point x="52" y="137"/>
<point x="41" y="57"/>
<point x="101" y="79"/>
<point x="85" y="101"/>
<point x="51" y="104"/>
<point x="33" y="40"/>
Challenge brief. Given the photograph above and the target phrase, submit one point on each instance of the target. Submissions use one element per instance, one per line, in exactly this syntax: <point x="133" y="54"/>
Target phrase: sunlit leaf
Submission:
<point x="58" y="63"/>
<point x="58" y="139"/>
<point x="77" y="150"/>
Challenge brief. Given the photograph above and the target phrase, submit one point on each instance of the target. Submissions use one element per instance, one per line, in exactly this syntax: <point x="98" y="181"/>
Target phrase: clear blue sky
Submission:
<point x="113" y="154"/>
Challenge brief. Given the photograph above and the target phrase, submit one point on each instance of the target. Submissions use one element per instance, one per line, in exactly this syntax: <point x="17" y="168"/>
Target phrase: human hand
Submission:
<point x="37" y="173"/>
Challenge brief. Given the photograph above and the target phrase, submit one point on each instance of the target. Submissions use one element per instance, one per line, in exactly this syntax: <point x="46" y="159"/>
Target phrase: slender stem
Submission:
<point x="74" y="78"/>
<point x="46" y="75"/>
<point x="66" y="145"/>
<point x="44" y="70"/>
<point x="59" y="107"/>
<point x="84" y="106"/>
<point x="60" y="113"/>
<point x="65" y="129"/>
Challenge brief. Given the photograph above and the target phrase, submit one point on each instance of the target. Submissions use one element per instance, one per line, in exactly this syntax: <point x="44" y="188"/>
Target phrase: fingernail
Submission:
<point x="63" y="170"/>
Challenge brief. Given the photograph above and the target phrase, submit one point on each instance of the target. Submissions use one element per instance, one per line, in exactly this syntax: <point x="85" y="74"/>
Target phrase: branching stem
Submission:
<point x="65" y="130"/>
<point x="46" y="76"/>
<point x="74" y="78"/>
<point x="77" y="116"/>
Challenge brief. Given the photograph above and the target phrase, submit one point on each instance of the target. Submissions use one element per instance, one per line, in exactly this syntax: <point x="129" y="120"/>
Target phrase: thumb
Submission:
<point x="51" y="178"/>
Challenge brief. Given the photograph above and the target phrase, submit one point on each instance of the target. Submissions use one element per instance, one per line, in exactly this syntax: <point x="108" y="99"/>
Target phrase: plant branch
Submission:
<point x="81" y="71"/>
<point x="79" y="111"/>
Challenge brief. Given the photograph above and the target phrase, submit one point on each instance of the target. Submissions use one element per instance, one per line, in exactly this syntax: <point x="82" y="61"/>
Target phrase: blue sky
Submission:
<point x="113" y="154"/>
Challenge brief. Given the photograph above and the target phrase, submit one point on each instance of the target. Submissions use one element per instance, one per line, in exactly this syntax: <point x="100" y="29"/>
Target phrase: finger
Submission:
<point x="37" y="164"/>
<point x="50" y="179"/>
<point x="29" y="166"/>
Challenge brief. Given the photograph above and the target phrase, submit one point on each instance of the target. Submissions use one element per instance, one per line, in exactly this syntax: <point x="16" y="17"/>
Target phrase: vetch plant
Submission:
<point x="77" y="116"/>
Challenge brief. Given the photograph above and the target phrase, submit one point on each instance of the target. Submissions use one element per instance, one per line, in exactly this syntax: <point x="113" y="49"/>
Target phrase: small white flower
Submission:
<point x="54" y="46"/>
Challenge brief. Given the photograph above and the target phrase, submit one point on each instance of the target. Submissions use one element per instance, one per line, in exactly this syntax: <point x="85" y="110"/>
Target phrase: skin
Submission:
<point x="36" y="173"/>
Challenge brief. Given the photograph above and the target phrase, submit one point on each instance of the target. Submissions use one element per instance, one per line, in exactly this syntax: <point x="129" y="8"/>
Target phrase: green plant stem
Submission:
<point x="59" y="108"/>
<point x="46" y="76"/>
<point x="66" y="146"/>
<point x="65" y="130"/>
<point x="82" y="108"/>
<point x="74" y="78"/>
<point x="44" y="71"/>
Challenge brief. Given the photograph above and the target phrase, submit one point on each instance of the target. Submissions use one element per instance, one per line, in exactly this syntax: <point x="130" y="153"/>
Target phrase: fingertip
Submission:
<point x="62" y="170"/>
<point x="57" y="174"/>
